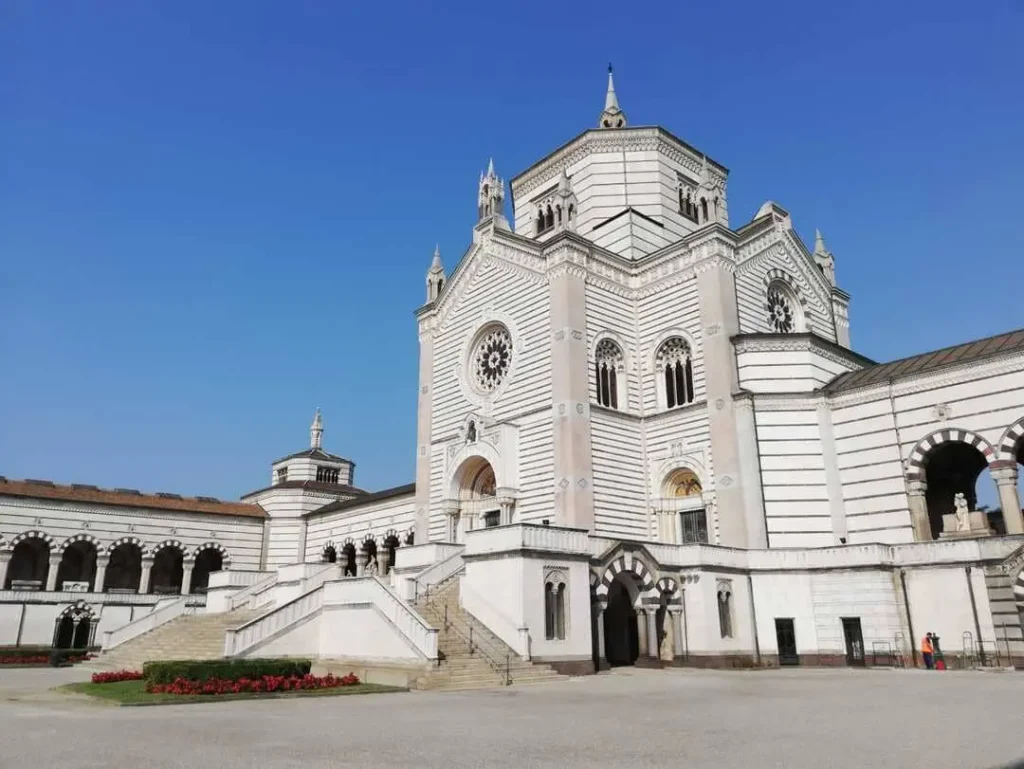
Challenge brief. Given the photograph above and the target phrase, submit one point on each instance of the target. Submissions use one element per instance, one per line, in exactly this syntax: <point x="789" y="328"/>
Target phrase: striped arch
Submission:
<point x="225" y="558"/>
<point x="368" y="538"/>
<point x="627" y="562"/>
<point x="390" y="533"/>
<point x="1010" y="439"/>
<point x="348" y="541"/>
<point x="668" y="587"/>
<point x="34" y="534"/>
<point x="80" y="538"/>
<point x="126" y="541"/>
<point x="1018" y="591"/>
<point x="918" y="458"/>
<point x="175" y="543"/>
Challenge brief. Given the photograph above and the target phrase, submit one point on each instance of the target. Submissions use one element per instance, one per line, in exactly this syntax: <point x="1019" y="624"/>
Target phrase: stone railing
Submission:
<point x="525" y="536"/>
<point x="263" y="628"/>
<point x="438" y="573"/>
<point x="164" y="612"/>
<point x="112" y="599"/>
<point x="353" y="591"/>
<point x="256" y="594"/>
<point x="516" y="637"/>
<point x="370" y="590"/>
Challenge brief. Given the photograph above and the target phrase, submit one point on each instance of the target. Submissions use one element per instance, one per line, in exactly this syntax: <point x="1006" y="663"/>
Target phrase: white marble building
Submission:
<point x="643" y="436"/>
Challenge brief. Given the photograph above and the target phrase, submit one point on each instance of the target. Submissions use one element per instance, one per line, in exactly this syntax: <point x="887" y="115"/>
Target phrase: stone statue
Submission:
<point x="371" y="568"/>
<point x="963" y="521"/>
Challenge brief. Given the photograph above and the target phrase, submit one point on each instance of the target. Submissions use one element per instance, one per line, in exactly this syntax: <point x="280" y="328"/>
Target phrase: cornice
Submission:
<point x="805" y="342"/>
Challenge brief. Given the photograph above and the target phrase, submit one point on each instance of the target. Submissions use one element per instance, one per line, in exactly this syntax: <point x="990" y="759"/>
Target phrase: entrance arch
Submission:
<point x="621" y="631"/>
<point x="30" y="560"/>
<point x="476" y="494"/>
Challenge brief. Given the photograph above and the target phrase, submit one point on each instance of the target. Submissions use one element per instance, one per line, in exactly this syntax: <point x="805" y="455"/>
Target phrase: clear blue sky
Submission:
<point x="215" y="217"/>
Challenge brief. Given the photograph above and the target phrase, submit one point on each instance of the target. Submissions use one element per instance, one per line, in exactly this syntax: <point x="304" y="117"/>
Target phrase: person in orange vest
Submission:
<point x="927" y="651"/>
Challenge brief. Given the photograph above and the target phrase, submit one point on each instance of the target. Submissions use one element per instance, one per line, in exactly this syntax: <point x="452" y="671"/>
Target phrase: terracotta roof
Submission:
<point x="344" y="504"/>
<point x="330" y="488"/>
<point x="126" y="498"/>
<point x="980" y="349"/>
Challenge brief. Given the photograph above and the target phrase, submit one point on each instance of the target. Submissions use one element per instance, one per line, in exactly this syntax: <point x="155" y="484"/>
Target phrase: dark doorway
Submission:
<point x="952" y="467"/>
<point x="167" y="572"/>
<point x="621" y="635"/>
<point x="785" y="636"/>
<point x="207" y="562"/>
<point x="854" y="641"/>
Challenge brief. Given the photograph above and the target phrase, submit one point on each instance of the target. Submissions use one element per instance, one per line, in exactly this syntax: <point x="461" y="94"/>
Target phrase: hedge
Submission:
<point x="166" y="671"/>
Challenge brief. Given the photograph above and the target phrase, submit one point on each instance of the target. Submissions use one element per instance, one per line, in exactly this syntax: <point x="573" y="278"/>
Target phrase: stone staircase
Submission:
<point x="479" y="665"/>
<point x="192" y="636"/>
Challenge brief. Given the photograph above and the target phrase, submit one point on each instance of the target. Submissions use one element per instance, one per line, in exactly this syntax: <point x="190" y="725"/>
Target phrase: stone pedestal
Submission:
<point x="977" y="526"/>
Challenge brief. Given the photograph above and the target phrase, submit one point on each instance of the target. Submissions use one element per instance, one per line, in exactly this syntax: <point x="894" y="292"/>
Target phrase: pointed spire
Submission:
<point x="435" y="265"/>
<point x="490" y="167"/>
<point x="316" y="430"/>
<point x="819" y="242"/>
<point x="491" y="194"/>
<point x="612" y="116"/>
<point x="435" y="276"/>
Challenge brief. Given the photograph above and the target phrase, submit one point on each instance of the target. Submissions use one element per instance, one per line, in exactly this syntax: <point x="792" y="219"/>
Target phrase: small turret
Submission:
<point x="490" y="195"/>
<point x="435" y="276"/>
<point x="316" y="431"/>
<point x="824" y="259"/>
<point x="611" y="116"/>
<point x="566" y="204"/>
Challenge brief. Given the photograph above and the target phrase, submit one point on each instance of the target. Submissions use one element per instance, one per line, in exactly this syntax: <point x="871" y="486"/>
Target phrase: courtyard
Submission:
<point x="637" y="718"/>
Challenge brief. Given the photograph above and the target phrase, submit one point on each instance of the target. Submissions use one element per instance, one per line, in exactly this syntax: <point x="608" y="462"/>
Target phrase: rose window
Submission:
<point x="491" y="358"/>
<point x="780" y="312"/>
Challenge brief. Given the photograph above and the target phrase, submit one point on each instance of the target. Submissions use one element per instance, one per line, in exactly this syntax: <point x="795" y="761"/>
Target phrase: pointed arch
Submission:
<point x="917" y="460"/>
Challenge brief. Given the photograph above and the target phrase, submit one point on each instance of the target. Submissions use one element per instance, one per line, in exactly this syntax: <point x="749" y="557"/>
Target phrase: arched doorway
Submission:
<point x="370" y="555"/>
<point x="477" y="498"/>
<point x="390" y="546"/>
<point x="208" y="561"/>
<point x="124" y="571"/>
<point x="951" y="468"/>
<point x="77" y="564"/>
<point x="75" y="627"/>
<point x="683" y="499"/>
<point x="168" y="570"/>
<point x="621" y="632"/>
<point x="30" y="563"/>
<point x="348" y="559"/>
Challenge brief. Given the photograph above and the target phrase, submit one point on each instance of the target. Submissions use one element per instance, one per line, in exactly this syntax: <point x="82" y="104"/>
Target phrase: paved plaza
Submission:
<point x="789" y="718"/>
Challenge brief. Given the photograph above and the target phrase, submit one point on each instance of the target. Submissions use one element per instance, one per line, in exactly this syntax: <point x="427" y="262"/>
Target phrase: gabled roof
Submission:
<point x="126" y="498"/>
<point x="377" y="496"/>
<point x="978" y="350"/>
<point x="315" y="454"/>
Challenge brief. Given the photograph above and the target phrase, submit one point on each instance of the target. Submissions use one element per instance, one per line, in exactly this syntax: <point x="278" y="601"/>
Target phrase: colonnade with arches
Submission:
<point x="34" y="560"/>
<point x="949" y="462"/>
<point x="370" y="556"/>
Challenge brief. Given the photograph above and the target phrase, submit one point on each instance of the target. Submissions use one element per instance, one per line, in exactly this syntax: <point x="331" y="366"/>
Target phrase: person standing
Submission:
<point x="927" y="651"/>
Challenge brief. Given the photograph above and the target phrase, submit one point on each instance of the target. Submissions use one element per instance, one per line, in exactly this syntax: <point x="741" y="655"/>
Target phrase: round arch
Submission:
<point x="78" y="555"/>
<point x="88" y="538"/>
<point x="75" y="627"/>
<point x="124" y="569"/>
<point x="634" y="567"/>
<point x="780" y="277"/>
<point x="467" y="461"/>
<point x="1010" y="440"/>
<point x="208" y="558"/>
<point x="917" y="460"/>
<point x="168" y="567"/>
<point x="30" y="559"/>
<point x="1018" y="593"/>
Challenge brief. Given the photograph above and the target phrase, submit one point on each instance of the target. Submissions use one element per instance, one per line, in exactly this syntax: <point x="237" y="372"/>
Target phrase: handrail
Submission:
<point x="517" y="637"/>
<point x="439" y="573"/>
<point x="160" y="615"/>
<point x="259" y="629"/>
<point x="354" y="590"/>
<point x="243" y="597"/>
<point x="491" y="655"/>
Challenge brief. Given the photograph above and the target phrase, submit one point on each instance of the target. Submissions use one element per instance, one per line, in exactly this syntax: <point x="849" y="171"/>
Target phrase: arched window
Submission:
<point x="558" y="214"/>
<point x="540" y="221"/>
<point x="704" y="210"/>
<point x="30" y="563"/>
<point x="75" y="627"/>
<point x="125" y="568"/>
<point x="687" y="205"/>
<point x="554" y="606"/>
<point x="725" y="609"/>
<point x="348" y="559"/>
<point x="783" y="308"/>
<point x="77" y="564"/>
<point x="391" y="544"/>
<point x="329" y="554"/>
<point x="549" y="219"/>
<point x="674" y="366"/>
<point x="608" y="365"/>
<point x="572" y="210"/>
<point x="168" y="570"/>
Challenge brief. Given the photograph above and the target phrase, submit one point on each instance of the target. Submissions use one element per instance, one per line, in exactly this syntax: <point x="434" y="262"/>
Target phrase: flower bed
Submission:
<point x="263" y="684"/>
<point x="36" y="657"/>
<point x="115" y="676"/>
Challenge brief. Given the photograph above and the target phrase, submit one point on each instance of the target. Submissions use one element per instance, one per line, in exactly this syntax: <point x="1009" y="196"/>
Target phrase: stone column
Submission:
<point x="919" y="510"/>
<point x="147" y="566"/>
<point x="570" y="387"/>
<point x="641" y="631"/>
<point x="5" y="561"/>
<point x="424" y="411"/>
<point x="677" y="631"/>
<point x="598" y="608"/>
<point x="51" y="575"/>
<point x="382" y="561"/>
<point x="506" y="504"/>
<point x="102" y="561"/>
<point x="450" y="508"/>
<point x="186" y="576"/>
<point x="1005" y="477"/>
<point x="360" y="562"/>
<point x="652" y="634"/>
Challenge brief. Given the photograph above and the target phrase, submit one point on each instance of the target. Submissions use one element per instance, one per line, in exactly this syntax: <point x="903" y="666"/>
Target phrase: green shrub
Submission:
<point x="165" y="671"/>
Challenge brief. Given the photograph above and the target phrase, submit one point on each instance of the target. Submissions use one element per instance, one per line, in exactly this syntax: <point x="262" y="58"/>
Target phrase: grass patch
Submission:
<point x="134" y="693"/>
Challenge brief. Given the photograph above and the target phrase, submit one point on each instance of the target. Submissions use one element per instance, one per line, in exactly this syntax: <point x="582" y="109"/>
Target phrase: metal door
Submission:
<point x="854" y="641"/>
<point x="785" y="635"/>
